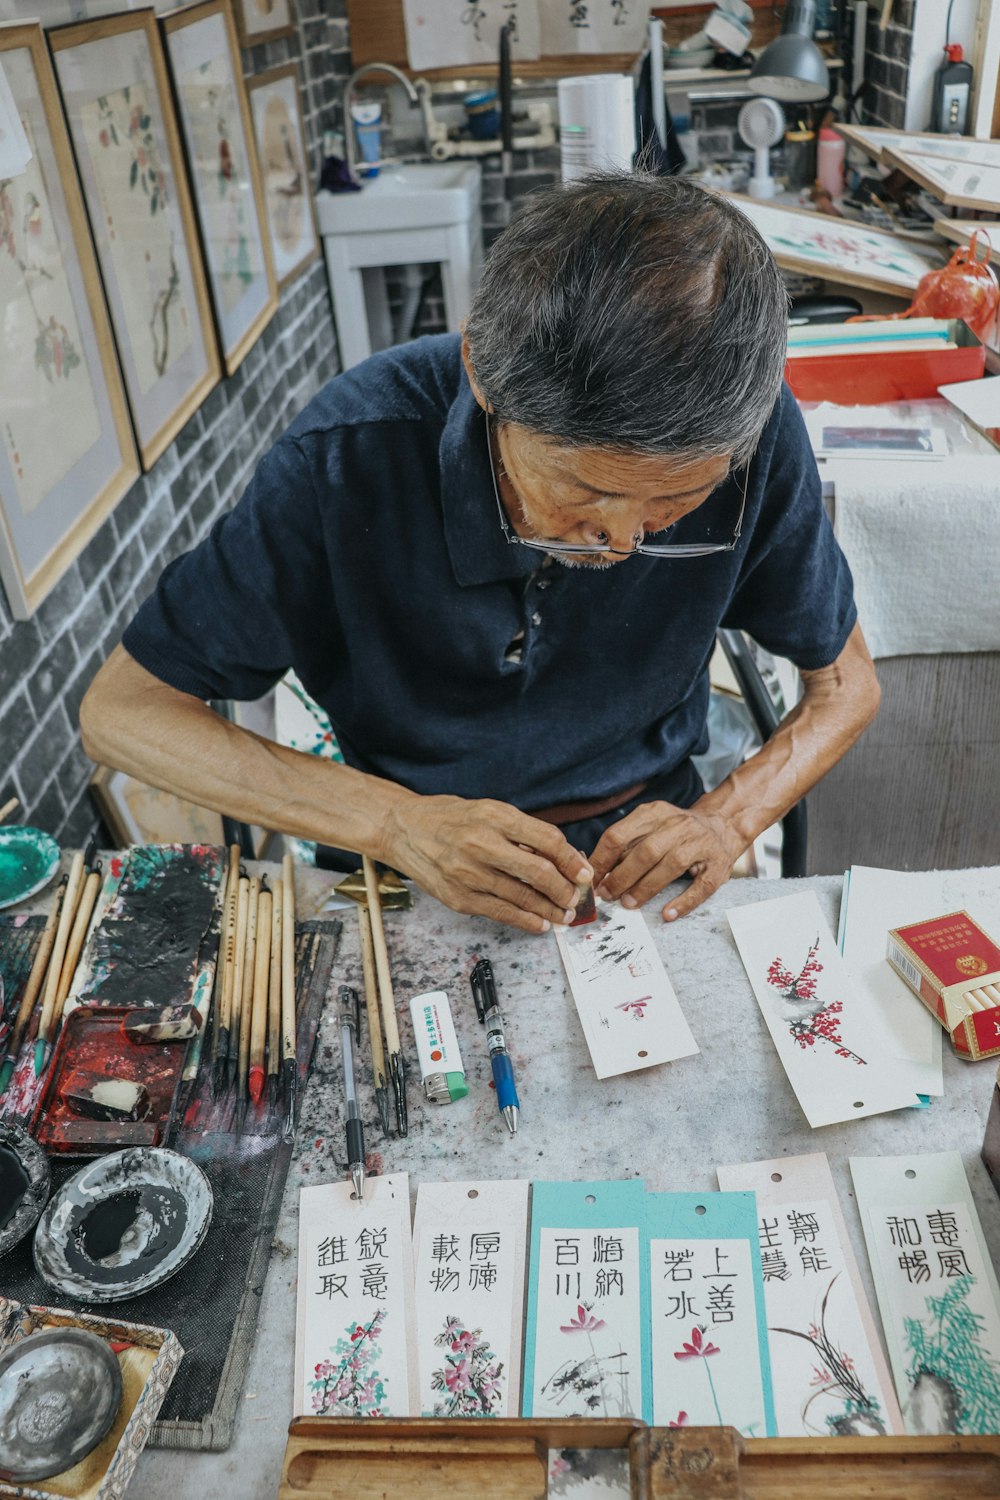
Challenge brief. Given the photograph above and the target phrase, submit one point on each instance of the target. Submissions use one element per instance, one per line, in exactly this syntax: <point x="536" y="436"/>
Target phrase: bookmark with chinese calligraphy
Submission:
<point x="711" y="1365"/>
<point x="587" y="1331"/>
<point x="839" y="1057"/>
<point x="469" y="1245"/>
<point x="623" y="995"/>
<point x="937" y="1291"/>
<point x="830" y="1376"/>
<point x="354" y="1343"/>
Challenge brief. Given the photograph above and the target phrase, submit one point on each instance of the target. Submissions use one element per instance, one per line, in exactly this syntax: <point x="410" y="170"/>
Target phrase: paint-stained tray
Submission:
<point x="92" y="1042"/>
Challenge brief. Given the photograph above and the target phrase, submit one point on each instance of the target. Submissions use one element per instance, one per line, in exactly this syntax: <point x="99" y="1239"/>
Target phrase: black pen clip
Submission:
<point x="483" y="988"/>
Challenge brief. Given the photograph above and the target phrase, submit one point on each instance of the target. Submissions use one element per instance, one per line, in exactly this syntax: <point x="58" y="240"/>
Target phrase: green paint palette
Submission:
<point x="28" y="860"/>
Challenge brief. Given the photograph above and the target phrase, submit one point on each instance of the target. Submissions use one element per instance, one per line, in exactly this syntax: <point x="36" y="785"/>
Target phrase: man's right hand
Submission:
<point x="487" y="859"/>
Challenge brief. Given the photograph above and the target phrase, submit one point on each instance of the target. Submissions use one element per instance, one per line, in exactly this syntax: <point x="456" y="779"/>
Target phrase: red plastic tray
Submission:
<point x="896" y="375"/>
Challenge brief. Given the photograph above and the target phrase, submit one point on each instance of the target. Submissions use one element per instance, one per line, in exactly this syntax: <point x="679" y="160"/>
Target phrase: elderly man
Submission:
<point x="499" y="564"/>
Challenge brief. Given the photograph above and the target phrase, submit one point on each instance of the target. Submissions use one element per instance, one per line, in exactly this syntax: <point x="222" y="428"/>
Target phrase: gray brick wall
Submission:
<point x="47" y="662"/>
<point x="887" y="64"/>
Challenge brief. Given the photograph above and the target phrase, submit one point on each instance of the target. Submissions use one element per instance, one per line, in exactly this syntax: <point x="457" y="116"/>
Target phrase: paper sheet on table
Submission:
<point x="875" y="901"/>
<point x="979" y="400"/>
<point x="838" y="1056"/>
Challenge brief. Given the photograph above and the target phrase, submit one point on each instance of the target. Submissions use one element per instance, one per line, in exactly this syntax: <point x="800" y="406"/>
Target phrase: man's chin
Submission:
<point x="596" y="562"/>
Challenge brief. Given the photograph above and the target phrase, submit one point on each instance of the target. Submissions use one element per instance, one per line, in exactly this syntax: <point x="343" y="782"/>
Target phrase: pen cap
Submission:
<point x="440" y="1061"/>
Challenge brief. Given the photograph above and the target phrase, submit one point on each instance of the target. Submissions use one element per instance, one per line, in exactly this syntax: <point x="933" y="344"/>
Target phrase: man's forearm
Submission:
<point x="838" y="704"/>
<point x="134" y="722"/>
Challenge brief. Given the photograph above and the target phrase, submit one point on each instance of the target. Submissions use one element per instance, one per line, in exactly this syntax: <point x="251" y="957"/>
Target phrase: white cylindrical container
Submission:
<point x="596" y="124"/>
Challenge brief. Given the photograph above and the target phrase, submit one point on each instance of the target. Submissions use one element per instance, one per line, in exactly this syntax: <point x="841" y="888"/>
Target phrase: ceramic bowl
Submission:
<point x="59" y="1395"/>
<point x="28" y="860"/>
<point x="29" y="1162"/>
<point x="123" y="1224"/>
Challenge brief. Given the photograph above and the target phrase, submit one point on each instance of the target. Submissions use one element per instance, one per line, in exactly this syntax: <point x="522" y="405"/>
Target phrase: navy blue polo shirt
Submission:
<point x="366" y="553"/>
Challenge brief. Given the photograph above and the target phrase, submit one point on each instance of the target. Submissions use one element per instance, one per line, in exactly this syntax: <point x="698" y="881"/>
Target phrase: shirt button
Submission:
<point x="543" y="583"/>
<point x="536" y="618"/>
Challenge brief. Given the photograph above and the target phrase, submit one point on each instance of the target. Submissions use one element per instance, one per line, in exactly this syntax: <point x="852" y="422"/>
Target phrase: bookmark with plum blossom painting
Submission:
<point x="936" y="1288"/>
<point x="469" y="1251"/>
<point x="829" y="1373"/>
<point x="354" y="1344"/>
<point x="835" y="1048"/>
<point x="623" y="996"/>
<point x="710" y="1361"/>
<point x="587" y="1329"/>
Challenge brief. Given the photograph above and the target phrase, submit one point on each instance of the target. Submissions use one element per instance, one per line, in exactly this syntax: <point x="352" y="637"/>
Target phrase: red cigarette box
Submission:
<point x="943" y="960"/>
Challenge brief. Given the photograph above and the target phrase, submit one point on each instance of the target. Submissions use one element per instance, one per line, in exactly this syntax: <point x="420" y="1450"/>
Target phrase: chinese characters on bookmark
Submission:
<point x="469" y="1247"/>
<point x="623" y="996"/>
<point x="711" y="1366"/>
<point x="830" y="1376"/>
<point x="587" y="1331"/>
<point x="838" y="1055"/>
<point x="936" y="1289"/>
<point x="353" y="1330"/>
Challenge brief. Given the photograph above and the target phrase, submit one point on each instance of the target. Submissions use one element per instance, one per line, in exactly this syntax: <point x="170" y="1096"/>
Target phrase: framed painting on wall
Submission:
<point x="113" y="78"/>
<point x="263" y="20"/>
<point x="58" y="372"/>
<point x="275" y="104"/>
<point x="135" y="813"/>
<point x="218" y="138"/>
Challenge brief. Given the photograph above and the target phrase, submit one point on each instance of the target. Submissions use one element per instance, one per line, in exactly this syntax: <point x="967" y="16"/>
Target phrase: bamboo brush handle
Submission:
<point x="371" y="992"/>
<point x="381" y="958"/>
<point x="74" y="885"/>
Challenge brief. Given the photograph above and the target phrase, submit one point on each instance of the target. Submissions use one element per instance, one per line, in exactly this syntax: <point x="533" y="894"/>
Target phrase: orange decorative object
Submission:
<point x="965" y="288"/>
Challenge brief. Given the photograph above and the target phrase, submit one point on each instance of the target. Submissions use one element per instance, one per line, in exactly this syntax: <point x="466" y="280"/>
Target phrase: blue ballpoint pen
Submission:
<point x="488" y="1010"/>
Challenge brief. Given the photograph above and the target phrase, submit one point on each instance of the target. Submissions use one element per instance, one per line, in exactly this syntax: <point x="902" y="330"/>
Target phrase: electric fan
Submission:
<point x="761" y="124"/>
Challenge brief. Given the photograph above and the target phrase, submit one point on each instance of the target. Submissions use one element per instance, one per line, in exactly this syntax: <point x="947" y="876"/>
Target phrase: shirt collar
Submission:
<point x="479" y="551"/>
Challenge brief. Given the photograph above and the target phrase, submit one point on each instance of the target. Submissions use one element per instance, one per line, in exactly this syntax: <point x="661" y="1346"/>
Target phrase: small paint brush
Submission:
<point x="223" y="966"/>
<point x="74" y="948"/>
<point x="379" y="1075"/>
<point x="289" y="1062"/>
<point x="239" y="963"/>
<point x="397" y="1068"/>
<point x="38" y="970"/>
<point x="259" y="1009"/>
<point x="274" y="998"/>
<point x="74" y="886"/>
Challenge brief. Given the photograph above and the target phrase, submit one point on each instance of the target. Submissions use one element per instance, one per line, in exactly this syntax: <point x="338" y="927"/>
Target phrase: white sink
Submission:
<point x="422" y="196"/>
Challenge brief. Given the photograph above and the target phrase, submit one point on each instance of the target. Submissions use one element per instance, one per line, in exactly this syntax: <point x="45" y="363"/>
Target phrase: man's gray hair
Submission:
<point x="632" y="312"/>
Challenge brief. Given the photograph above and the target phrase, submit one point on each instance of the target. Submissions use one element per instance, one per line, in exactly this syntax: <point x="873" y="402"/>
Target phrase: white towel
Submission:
<point x="923" y="542"/>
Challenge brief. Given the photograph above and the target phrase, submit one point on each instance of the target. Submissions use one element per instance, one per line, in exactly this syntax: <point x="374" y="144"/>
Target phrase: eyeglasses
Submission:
<point x="644" y="549"/>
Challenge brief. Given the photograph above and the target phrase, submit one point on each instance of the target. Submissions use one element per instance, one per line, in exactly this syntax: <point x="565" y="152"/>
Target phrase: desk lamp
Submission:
<point x="791" y="68"/>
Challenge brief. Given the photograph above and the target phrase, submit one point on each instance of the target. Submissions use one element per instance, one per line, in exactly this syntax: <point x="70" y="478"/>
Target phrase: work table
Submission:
<point x="671" y="1125"/>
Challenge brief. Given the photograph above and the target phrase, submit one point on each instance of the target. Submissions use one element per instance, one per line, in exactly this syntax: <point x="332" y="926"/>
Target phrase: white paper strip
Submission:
<point x="593" y="26"/>
<point x="830" y="1376"/>
<point x="624" y="998"/>
<point x="354" y="1340"/>
<point x="838" y="1055"/>
<point x="937" y="1290"/>
<point x="469" y="1248"/>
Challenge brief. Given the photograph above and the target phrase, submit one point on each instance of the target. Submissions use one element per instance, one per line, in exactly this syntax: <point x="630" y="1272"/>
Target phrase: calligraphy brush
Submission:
<point x="239" y="965"/>
<point x="74" y="948"/>
<point x="397" y="1067"/>
<point x="381" y="1082"/>
<point x="38" y="968"/>
<point x="259" y="1011"/>
<point x="289" y="1063"/>
<point x="242" y="1059"/>
<point x="274" y="998"/>
<point x="223" y="999"/>
<point x="74" y="885"/>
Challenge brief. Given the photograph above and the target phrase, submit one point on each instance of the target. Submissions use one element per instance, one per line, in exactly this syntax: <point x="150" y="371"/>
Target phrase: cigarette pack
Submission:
<point x="953" y="966"/>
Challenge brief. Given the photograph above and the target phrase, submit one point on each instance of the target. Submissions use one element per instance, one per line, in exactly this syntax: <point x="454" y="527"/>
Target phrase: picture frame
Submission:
<point x="135" y="813"/>
<point x="116" y="92"/>
<point x="839" y="250"/>
<point x="961" y="183"/>
<point x="263" y="20"/>
<point x="58" y="373"/>
<point x="880" y="144"/>
<point x="204" y="56"/>
<point x="276" y="110"/>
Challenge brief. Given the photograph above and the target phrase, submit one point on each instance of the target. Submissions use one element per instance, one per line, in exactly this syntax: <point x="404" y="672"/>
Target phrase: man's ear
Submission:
<point x="470" y="372"/>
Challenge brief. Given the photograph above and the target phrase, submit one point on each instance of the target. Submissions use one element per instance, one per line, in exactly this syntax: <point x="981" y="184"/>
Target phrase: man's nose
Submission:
<point x="612" y="536"/>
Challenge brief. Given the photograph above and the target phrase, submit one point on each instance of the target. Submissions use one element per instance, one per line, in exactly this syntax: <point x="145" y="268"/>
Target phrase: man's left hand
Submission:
<point x="658" y="843"/>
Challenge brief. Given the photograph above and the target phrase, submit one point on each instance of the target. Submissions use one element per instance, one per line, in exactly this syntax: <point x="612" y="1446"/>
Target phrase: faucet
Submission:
<point x="372" y="67"/>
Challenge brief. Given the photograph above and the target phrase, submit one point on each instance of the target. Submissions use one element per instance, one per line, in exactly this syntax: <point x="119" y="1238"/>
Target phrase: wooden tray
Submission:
<point x="507" y="1458"/>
